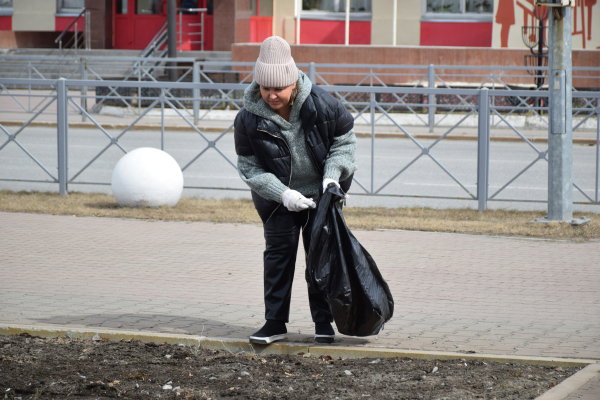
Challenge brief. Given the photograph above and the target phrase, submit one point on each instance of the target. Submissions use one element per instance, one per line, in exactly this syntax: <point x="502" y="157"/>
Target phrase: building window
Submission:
<point x="147" y="7"/>
<point x="336" y="9"/>
<point x="6" y="7"/>
<point x="261" y="8"/>
<point x="121" y="7"/>
<point x="479" y="10"/>
<point x="70" y="6"/>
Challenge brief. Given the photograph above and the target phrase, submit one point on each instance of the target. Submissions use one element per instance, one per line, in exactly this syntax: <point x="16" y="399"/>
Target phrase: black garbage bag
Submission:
<point x="339" y="266"/>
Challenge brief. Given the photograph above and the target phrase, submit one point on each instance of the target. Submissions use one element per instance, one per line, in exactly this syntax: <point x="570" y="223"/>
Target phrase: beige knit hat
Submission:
<point x="275" y="66"/>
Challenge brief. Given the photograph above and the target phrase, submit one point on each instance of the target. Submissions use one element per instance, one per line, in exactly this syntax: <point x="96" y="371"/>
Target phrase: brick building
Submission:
<point x="131" y="24"/>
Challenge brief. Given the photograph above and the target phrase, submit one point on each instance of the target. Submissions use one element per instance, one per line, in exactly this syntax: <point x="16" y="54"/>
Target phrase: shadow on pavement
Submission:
<point x="160" y="323"/>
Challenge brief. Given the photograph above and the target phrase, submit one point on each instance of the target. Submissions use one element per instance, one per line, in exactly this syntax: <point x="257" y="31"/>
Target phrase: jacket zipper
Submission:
<point x="291" y="165"/>
<point x="314" y="160"/>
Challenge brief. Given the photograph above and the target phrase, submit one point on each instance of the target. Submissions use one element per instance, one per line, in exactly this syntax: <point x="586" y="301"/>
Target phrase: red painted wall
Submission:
<point x="61" y="23"/>
<point x="463" y="34"/>
<point x="313" y="31"/>
<point x="260" y="28"/>
<point x="136" y="31"/>
<point x="6" y="23"/>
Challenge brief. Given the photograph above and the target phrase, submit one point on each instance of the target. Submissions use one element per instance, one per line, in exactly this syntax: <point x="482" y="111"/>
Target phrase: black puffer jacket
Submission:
<point x="323" y="119"/>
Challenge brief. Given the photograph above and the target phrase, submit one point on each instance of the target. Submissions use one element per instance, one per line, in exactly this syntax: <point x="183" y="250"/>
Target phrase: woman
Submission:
<point x="292" y="139"/>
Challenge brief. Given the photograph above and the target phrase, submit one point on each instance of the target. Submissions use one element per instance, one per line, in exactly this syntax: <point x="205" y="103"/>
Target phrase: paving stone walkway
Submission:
<point x="452" y="292"/>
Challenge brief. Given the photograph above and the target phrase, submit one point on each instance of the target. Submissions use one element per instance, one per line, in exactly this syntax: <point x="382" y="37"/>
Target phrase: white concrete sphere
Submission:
<point x="147" y="177"/>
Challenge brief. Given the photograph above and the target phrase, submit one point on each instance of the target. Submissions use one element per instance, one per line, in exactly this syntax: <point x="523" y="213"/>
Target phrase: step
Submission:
<point x="223" y="56"/>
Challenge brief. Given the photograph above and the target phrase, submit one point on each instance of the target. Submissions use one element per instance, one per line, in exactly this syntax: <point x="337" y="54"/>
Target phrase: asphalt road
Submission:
<point x="423" y="178"/>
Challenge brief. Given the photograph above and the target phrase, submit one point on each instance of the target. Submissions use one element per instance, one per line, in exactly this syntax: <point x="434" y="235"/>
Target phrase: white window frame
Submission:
<point x="335" y="15"/>
<point x="7" y="11"/>
<point x="67" y="12"/>
<point x="461" y="16"/>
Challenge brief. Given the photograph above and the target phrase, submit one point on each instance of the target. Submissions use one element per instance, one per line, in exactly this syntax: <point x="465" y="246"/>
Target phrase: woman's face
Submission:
<point x="277" y="98"/>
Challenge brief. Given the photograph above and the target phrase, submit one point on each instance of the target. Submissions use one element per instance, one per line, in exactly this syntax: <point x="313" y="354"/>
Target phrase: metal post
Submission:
<point x="29" y="67"/>
<point x="196" y="92"/>
<point x="172" y="38"/>
<point x="180" y="30"/>
<point x="162" y="119"/>
<point x="347" y="22"/>
<point x="597" y="150"/>
<point x="202" y="22"/>
<point x="493" y="117"/>
<point x="83" y="72"/>
<point x="431" y="97"/>
<point x="139" y="90"/>
<point x="372" y="104"/>
<point x="88" y="31"/>
<point x="539" y="81"/>
<point x="62" y="126"/>
<point x="312" y="72"/>
<point x="560" y="138"/>
<point x="483" y="148"/>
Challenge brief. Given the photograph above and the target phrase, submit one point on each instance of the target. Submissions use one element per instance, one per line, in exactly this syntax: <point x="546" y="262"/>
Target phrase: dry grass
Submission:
<point x="491" y="222"/>
<point x="105" y="205"/>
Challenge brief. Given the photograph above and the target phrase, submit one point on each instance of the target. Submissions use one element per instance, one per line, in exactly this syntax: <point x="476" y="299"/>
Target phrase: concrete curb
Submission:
<point x="113" y="126"/>
<point x="113" y="335"/>
<point x="469" y="137"/>
<point x="571" y="384"/>
<point x="236" y="345"/>
<point x="358" y="134"/>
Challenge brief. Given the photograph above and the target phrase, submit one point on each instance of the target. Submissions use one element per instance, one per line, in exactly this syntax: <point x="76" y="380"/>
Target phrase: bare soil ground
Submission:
<point x="36" y="368"/>
<point x="490" y="222"/>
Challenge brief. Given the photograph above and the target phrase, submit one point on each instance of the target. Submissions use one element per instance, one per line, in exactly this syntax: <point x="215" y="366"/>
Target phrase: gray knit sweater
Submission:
<point x="306" y="179"/>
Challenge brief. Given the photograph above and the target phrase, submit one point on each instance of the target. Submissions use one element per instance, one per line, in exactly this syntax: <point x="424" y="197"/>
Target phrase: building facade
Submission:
<point x="131" y="24"/>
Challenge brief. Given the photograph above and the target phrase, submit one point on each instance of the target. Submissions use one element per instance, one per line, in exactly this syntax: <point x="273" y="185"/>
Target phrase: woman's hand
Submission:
<point x="294" y="201"/>
<point x="326" y="183"/>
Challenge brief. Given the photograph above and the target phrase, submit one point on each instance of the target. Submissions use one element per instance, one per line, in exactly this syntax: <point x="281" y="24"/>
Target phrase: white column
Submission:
<point x="347" y="22"/>
<point x="273" y="22"/>
<point x="394" y="22"/>
<point x="298" y="9"/>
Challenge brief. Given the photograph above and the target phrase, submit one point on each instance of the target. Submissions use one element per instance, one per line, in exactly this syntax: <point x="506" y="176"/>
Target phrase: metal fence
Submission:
<point x="373" y="107"/>
<point x="513" y="87"/>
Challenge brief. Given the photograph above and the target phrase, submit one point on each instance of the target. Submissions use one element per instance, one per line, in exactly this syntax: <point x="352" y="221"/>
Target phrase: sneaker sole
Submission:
<point x="324" y="338"/>
<point x="266" y="340"/>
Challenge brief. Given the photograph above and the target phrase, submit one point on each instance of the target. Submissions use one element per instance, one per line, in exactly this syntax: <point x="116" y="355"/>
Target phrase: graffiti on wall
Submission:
<point x="585" y="34"/>
<point x="505" y="16"/>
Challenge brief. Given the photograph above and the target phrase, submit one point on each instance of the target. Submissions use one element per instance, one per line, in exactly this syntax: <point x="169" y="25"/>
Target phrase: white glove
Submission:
<point x="326" y="183"/>
<point x="294" y="201"/>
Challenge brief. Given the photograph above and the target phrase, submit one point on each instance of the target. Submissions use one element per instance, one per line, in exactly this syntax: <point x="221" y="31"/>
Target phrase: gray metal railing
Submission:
<point x="191" y="35"/>
<point x="13" y="66"/>
<point x="373" y="107"/>
<point x="79" y="40"/>
<point x="521" y="101"/>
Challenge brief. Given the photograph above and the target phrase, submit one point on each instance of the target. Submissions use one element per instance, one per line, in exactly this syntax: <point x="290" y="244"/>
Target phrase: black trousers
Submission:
<point x="282" y="234"/>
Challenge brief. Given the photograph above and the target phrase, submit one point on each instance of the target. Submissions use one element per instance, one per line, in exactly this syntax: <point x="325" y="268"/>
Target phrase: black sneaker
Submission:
<point x="272" y="331"/>
<point x="324" y="333"/>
